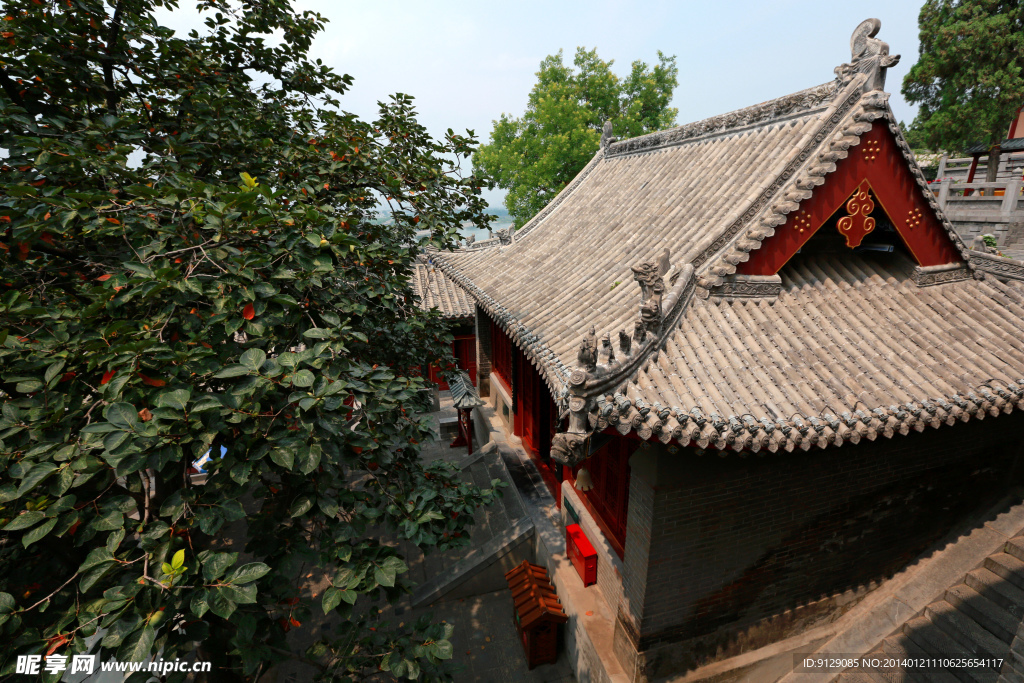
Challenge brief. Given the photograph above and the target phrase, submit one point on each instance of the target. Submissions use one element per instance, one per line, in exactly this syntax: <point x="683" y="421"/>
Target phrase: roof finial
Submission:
<point x="606" y="135"/>
<point x="868" y="55"/>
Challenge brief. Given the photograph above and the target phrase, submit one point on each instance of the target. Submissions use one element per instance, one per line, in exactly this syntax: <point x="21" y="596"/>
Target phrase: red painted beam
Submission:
<point x="879" y="163"/>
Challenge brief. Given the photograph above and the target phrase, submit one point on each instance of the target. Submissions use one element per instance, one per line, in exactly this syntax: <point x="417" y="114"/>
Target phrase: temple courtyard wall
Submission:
<point x="725" y="555"/>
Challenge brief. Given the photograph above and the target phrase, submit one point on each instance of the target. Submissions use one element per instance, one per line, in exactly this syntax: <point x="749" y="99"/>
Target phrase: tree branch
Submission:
<point x="108" y="69"/>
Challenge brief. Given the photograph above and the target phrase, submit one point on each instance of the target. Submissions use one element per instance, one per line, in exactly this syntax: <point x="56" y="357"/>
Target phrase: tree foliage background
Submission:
<point x="969" y="77"/>
<point x="535" y="156"/>
<point x="232" y="290"/>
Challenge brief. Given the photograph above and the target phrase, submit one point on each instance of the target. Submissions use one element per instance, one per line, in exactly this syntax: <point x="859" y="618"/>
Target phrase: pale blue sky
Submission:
<point x="467" y="62"/>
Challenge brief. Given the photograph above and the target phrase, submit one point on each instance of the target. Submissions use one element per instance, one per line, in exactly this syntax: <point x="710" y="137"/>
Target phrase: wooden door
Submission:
<point x="464" y="350"/>
<point x="609" y="499"/>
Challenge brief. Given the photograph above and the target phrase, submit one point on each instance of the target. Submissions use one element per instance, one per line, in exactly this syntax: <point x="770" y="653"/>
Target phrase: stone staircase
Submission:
<point x="980" y="617"/>
<point x="501" y="538"/>
<point x="1014" y="246"/>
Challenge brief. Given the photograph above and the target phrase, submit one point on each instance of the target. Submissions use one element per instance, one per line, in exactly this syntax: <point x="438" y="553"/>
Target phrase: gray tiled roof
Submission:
<point x="435" y="290"/>
<point x="1007" y="145"/>
<point x="848" y="334"/>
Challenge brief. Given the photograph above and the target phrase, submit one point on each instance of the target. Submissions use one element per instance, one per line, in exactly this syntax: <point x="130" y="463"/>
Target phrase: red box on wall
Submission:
<point x="582" y="554"/>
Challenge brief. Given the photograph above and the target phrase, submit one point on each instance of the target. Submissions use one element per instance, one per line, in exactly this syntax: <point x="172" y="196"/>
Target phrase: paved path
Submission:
<point x="486" y="646"/>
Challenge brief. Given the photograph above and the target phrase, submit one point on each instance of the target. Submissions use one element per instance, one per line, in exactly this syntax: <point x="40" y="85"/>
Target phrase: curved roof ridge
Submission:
<point x="841" y="135"/>
<point x="794" y="104"/>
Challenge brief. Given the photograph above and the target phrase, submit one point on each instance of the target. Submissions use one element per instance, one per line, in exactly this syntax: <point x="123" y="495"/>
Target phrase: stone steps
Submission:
<point x="976" y="618"/>
<point x="1003" y="593"/>
<point x="973" y="638"/>
<point x="987" y="614"/>
<point x="1007" y="567"/>
<point x="902" y="648"/>
<point x="1015" y="236"/>
<point x="501" y="536"/>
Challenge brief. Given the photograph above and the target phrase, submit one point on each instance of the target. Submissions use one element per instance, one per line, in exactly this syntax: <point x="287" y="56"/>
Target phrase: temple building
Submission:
<point x="752" y="355"/>
<point x="435" y="291"/>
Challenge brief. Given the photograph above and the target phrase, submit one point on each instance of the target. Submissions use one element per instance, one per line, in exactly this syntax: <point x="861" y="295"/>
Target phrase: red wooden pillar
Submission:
<point x="465" y="437"/>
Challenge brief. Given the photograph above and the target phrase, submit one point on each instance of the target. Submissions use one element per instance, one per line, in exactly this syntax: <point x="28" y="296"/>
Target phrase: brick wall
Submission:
<point x="735" y="542"/>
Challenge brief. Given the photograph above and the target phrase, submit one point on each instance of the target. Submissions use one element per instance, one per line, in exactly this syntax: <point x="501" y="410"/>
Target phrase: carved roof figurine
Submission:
<point x="505" y="236"/>
<point x="869" y="56"/>
<point x="650" y="276"/>
<point x="606" y="134"/>
<point x="587" y="355"/>
<point x="762" y="325"/>
<point x="979" y="244"/>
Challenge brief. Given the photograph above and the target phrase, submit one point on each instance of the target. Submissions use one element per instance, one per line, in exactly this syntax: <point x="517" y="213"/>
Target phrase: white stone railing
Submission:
<point x="1003" y="198"/>
<point x="1011" y="164"/>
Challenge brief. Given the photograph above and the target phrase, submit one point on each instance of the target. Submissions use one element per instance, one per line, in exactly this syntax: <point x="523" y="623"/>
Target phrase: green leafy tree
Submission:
<point x="969" y="77"/>
<point x="193" y="260"/>
<point x="535" y="156"/>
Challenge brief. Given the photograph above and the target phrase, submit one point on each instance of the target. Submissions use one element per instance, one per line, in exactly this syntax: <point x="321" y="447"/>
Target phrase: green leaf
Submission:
<point x="29" y="386"/>
<point x="115" y="439"/>
<point x="92" y="576"/>
<point x="317" y="333"/>
<point x="395" y="563"/>
<point x="137" y="646"/>
<point x="218" y="563"/>
<point x="221" y="605"/>
<point x="200" y="603"/>
<point x="36" y="475"/>
<point x="25" y="520"/>
<point x="179" y="559"/>
<point x="248" y="573"/>
<point x="385" y="576"/>
<point x="96" y="557"/>
<point x="131" y="463"/>
<point x="300" y="506"/>
<point x="123" y="415"/>
<point x="114" y="540"/>
<point x="241" y="595"/>
<point x="99" y="428"/>
<point x="331" y="599"/>
<point x="347" y="578"/>
<point x="53" y="370"/>
<point x="107" y="521"/>
<point x="178" y="398"/>
<point x="284" y="457"/>
<point x="253" y="359"/>
<point x="38" y="532"/>
<point x="302" y="378"/>
<point x="442" y="649"/>
<point x="232" y="371"/>
<point x="139" y="268"/>
<point x="309" y="458"/>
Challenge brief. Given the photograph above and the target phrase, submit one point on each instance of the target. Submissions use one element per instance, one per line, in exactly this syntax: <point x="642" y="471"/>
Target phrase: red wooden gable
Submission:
<point x="875" y="173"/>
